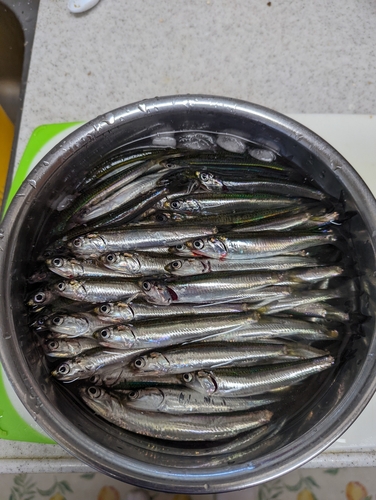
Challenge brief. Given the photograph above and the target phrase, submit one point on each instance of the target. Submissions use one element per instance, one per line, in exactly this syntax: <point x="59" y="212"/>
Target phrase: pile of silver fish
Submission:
<point x="185" y="294"/>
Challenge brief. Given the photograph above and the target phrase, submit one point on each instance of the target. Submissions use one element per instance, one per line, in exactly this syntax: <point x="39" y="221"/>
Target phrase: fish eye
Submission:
<point x="146" y="285"/>
<point x="63" y="369"/>
<point x="204" y="176"/>
<point x="39" y="297"/>
<point x="105" y="333"/>
<point x="198" y="244"/>
<point x="105" y="308"/>
<point x="139" y="363"/>
<point x="42" y="320"/>
<point x="61" y="286"/>
<point x="77" y="242"/>
<point x="94" y="379"/>
<point x="53" y="344"/>
<point x="133" y="394"/>
<point x="179" y="247"/>
<point x="187" y="377"/>
<point x="161" y="217"/>
<point x="57" y="320"/>
<point x="175" y="204"/>
<point x="176" y="264"/>
<point x="110" y="257"/>
<point x="57" y="262"/>
<point x="94" y="392"/>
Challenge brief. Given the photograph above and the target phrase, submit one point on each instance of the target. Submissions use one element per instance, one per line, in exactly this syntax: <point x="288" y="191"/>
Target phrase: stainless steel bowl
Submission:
<point x="341" y="395"/>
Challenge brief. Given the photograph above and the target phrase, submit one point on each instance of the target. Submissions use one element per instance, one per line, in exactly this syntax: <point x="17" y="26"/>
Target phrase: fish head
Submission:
<point x="40" y="323"/>
<point x="51" y="346"/>
<point x="149" y="398"/>
<point x="182" y="250"/>
<point x="123" y="262"/>
<point x="153" y="362"/>
<point x="41" y="298"/>
<point x="201" y="381"/>
<point x="156" y="292"/>
<point x="208" y="247"/>
<point x="114" y="311"/>
<point x="88" y="245"/>
<point x="209" y="181"/>
<point x="120" y="336"/>
<point x="71" y="370"/>
<point x="97" y="399"/>
<point x="186" y="267"/>
<point x="182" y="205"/>
<point x="71" y="289"/>
<point x="68" y="268"/>
<point x="71" y="326"/>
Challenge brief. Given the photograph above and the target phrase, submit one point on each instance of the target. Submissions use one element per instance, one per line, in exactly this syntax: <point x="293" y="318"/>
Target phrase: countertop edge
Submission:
<point x="68" y="465"/>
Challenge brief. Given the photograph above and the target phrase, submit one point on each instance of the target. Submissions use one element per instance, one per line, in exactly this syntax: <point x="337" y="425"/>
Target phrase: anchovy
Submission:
<point x="193" y="266"/>
<point x="106" y="241"/>
<point x="123" y="312"/>
<point x="221" y="220"/>
<point x="105" y="203"/>
<point x="235" y="382"/>
<point x="183" y="401"/>
<point x="96" y="290"/>
<point x="220" y="286"/>
<point x="249" y="246"/>
<point x="121" y="162"/>
<point x="172" y="427"/>
<point x="215" y="183"/>
<point x="198" y="356"/>
<point x="147" y="335"/>
<point x="204" y="204"/>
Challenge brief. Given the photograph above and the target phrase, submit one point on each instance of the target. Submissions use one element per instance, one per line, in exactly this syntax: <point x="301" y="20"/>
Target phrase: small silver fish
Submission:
<point x="215" y="183"/>
<point x="242" y="382"/>
<point x="246" y="246"/>
<point x="148" y="335"/>
<point x="213" y="288"/>
<point x="107" y="241"/>
<point x="207" y="204"/>
<point x="198" y="356"/>
<point x="172" y="427"/>
<point x="123" y="312"/>
<point x="196" y="266"/>
<point x="180" y="401"/>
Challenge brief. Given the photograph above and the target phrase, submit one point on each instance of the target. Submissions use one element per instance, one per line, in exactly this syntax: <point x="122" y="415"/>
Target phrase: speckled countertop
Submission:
<point x="294" y="57"/>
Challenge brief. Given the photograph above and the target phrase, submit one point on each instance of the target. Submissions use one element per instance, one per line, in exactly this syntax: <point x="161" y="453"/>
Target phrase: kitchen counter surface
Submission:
<point x="294" y="57"/>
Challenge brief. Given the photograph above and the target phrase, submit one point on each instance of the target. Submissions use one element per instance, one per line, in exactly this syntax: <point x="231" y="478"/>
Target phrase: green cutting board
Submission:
<point x="15" y="422"/>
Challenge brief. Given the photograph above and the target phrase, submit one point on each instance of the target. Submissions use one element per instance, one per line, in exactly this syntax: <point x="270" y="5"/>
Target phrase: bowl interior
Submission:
<point x="331" y="400"/>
